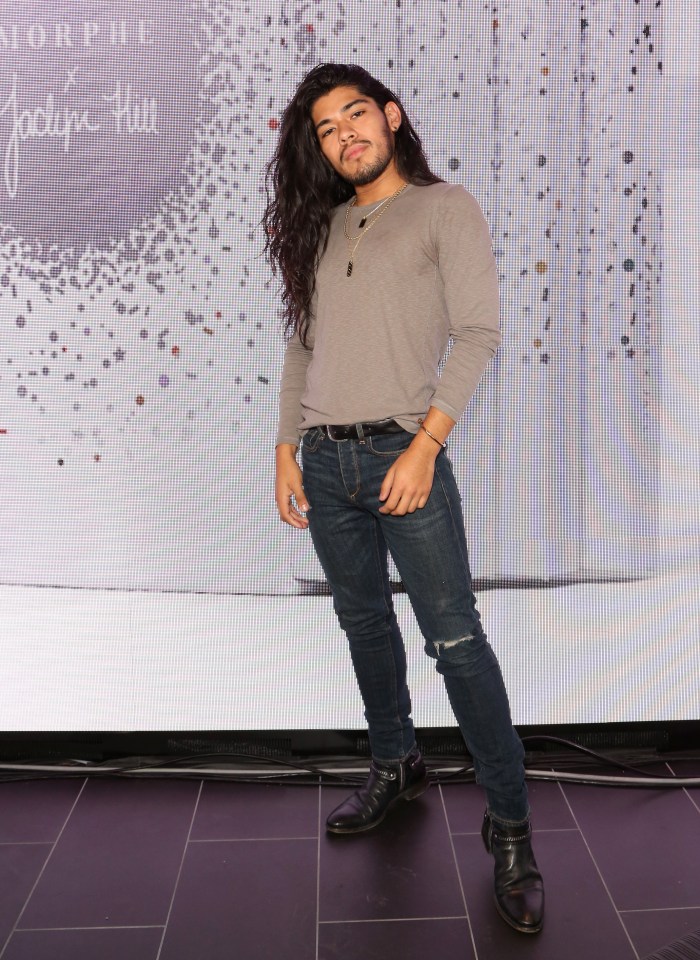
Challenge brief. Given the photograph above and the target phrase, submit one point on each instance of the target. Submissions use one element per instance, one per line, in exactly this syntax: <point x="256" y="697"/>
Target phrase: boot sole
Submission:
<point x="411" y="794"/>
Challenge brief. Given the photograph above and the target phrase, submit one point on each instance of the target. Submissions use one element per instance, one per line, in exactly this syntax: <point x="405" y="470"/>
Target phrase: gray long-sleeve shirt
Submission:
<point x="424" y="273"/>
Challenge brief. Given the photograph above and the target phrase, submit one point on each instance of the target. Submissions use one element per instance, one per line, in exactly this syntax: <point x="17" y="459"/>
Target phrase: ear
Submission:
<point x="393" y="115"/>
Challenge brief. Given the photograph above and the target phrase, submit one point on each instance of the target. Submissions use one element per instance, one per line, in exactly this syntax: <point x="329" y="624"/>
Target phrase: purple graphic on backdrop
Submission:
<point x="96" y="122"/>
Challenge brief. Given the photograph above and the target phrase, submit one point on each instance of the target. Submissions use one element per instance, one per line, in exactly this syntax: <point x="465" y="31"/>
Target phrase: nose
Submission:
<point x="345" y="132"/>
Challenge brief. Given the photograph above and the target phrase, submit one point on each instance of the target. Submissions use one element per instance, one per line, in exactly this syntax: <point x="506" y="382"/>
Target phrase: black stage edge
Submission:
<point x="299" y="745"/>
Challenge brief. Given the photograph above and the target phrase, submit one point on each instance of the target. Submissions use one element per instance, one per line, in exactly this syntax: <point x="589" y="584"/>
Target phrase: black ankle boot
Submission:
<point x="518" y="882"/>
<point x="386" y="786"/>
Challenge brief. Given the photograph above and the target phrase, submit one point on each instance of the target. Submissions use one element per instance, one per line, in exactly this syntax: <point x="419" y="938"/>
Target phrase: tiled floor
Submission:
<point x="185" y="870"/>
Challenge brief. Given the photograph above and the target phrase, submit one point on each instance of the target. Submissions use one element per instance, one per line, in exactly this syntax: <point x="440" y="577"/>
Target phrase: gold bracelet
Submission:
<point x="442" y="443"/>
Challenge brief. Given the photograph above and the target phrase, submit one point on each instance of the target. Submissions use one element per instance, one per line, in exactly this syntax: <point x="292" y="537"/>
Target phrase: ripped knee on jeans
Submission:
<point x="442" y="646"/>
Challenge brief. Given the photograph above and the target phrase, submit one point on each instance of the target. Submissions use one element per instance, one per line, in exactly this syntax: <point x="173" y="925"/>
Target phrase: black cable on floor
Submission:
<point x="579" y="748"/>
<point x="317" y="771"/>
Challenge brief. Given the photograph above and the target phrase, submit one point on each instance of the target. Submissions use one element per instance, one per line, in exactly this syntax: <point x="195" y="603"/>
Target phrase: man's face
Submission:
<point x="355" y="135"/>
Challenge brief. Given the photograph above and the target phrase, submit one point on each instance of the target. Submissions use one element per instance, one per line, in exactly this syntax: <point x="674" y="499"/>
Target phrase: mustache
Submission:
<point x="351" y="146"/>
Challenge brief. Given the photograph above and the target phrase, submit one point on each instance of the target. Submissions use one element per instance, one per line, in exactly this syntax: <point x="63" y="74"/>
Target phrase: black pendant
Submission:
<point x="363" y="221"/>
<point x="349" y="272"/>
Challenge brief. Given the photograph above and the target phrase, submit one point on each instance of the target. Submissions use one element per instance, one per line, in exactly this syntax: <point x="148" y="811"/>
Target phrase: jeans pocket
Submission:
<point x="389" y="444"/>
<point x="312" y="440"/>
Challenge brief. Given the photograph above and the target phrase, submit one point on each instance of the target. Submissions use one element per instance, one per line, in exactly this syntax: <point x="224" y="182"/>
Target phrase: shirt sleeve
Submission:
<point x="469" y="275"/>
<point x="292" y="386"/>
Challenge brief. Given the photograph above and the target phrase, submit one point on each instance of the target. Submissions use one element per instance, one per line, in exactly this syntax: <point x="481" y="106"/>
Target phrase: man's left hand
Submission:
<point x="409" y="480"/>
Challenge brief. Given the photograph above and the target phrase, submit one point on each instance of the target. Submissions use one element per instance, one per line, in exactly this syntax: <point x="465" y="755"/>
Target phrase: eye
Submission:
<point x="326" y="132"/>
<point x="358" y="113"/>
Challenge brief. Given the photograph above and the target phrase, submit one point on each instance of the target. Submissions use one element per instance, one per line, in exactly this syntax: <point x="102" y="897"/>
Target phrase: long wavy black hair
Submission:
<point x="302" y="186"/>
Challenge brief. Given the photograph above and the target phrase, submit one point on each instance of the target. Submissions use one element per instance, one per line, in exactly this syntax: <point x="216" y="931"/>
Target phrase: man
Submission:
<point x="382" y="263"/>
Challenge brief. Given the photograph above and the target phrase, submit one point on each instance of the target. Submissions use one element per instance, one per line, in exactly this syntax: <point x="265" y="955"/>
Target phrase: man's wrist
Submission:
<point x="433" y="437"/>
<point x="286" y="450"/>
<point x="423" y="444"/>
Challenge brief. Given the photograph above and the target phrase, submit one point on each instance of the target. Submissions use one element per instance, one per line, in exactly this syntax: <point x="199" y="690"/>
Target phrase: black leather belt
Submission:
<point x="357" y="431"/>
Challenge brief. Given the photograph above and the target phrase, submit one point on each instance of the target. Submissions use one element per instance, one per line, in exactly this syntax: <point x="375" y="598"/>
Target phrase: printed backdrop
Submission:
<point x="141" y="344"/>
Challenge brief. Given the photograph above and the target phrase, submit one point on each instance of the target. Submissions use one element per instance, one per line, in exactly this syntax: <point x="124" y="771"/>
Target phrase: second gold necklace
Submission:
<point x="386" y="204"/>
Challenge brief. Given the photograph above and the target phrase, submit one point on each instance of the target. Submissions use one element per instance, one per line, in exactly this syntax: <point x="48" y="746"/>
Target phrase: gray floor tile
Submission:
<point x="20" y="865"/>
<point x="404" y="868"/>
<point x="84" y="945"/>
<point x="644" y="841"/>
<point x="650" y="930"/>
<point x="407" y="939"/>
<point x="117" y="860"/>
<point x="251" y="900"/>
<point x="256" y="811"/>
<point x="35" y="810"/>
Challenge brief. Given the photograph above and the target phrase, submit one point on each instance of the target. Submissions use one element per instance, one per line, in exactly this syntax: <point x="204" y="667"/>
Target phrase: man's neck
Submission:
<point x="387" y="183"/>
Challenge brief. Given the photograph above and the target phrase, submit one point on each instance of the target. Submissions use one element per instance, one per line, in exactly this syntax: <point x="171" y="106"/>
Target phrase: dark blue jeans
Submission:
<point x="342" y="480"/>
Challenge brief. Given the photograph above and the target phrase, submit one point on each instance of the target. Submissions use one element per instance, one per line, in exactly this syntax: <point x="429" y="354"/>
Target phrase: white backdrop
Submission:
<point x="146" y="581"/>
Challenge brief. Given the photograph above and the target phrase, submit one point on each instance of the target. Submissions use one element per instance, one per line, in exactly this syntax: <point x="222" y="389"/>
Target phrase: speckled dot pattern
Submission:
<point x="141" y="340"/>
<point x="128" y="296"/>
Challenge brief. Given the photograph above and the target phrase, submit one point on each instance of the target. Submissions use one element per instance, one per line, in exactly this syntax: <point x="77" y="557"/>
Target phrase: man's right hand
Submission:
<point x="289" y="491"/>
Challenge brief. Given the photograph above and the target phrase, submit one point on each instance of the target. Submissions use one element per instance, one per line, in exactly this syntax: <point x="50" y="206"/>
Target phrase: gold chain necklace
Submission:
<point x="386" y="204"/>
<point x="364" y="219"/>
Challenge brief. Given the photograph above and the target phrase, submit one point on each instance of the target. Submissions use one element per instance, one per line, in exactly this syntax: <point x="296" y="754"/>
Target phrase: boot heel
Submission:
<point x="416" y="790"/>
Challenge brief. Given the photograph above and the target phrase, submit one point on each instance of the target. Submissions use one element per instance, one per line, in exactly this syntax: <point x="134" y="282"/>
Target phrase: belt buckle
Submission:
<point x="331" y="435"/>
<point x="350" y="431"/>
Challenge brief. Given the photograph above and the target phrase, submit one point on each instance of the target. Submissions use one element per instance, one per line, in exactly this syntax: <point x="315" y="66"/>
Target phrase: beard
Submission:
<point x="369" y="172"/>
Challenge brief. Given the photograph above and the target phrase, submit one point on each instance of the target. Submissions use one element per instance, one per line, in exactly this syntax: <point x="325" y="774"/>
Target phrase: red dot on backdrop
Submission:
<point x="272" y="123"/>
<point x="309" y="28"/>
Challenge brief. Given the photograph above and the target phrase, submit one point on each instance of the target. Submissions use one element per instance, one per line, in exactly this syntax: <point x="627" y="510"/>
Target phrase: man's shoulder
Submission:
<point x="445" y="194"/>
